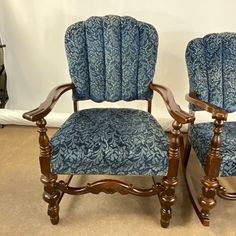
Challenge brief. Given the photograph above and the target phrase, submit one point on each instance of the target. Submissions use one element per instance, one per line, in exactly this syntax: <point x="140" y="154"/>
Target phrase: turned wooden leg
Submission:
<point x="167" y="197"/>
<point x="207" y="199"/>
<point x="210" y="183"/>
<point x="51" y="195"/>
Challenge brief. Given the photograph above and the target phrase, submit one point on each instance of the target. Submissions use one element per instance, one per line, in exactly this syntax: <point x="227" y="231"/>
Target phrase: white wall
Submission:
<point x="33" y="31"/>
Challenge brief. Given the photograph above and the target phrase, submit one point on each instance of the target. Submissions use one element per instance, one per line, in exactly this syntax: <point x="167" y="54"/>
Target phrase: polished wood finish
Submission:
<point x="210" y="185"/>
<point x="217" y="113"/>
<point x="54" y="190"/>
<point x="150" y="106"/>
<point x="75" y="106"/>
<point x="221" y="191"/>
<point x="51" y="194"/>
<point x="66" y="182"/>
<point x="186" y="147"/>
<point x="173" y="108"/>
<point x="194" y="198"/>
<point x="209" y="182"/>
<point x="41" y="111"/>
<point x="110" y="186"/>
<point x="167" y="197"/>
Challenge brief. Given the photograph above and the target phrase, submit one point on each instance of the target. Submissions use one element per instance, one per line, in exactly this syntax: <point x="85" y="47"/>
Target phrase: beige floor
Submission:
<point x="23" y="212"/>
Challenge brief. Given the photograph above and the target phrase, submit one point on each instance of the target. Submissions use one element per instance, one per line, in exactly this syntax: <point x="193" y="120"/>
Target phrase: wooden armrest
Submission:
<point x="41" y="111"/>
<point x="217" y="112"/>
<point x="173" y="108"/>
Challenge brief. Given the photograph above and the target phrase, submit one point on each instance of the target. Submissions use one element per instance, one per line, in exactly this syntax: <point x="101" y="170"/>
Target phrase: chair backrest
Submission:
<point x="111" y="58"/>
<point x="211" y="63"/>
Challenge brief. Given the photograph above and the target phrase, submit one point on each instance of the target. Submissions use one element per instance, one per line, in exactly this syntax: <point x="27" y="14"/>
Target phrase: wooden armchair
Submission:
<point x="110" y="58"/>
<point x="211" y="63"/>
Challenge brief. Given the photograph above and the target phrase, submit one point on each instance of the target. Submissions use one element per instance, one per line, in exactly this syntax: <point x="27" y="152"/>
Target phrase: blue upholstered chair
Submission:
<point x="211" y="63"/>
<point x="110" y="58"/>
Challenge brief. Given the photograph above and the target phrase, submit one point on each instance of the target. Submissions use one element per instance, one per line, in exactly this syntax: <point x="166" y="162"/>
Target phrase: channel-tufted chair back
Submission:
<point x="211" y="63"/>
<point x="111" y="58"/>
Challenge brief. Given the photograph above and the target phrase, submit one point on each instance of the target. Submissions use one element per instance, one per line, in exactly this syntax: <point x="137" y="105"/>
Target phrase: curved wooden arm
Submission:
<point x="173" y="108"/>
<point x="41" y="111"/>
<point x="217" y="112"/>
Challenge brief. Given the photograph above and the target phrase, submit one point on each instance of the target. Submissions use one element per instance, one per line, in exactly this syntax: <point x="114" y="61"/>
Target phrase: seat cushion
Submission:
<point x="110" y="141"/>
<point x="200" y="138"/>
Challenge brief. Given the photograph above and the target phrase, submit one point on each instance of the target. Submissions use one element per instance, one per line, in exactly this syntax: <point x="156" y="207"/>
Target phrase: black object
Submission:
<point x="3" y="79"/>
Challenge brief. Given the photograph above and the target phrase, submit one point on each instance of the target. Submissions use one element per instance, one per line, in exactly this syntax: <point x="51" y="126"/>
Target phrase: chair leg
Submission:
<point x="210" y="183"/>
<point x="51" y="195"/>
<point x="167" y="199"/>
<point x="207" y="200"/>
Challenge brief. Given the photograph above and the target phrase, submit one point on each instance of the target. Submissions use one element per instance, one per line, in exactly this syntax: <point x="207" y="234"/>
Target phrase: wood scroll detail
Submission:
<point x="110" y="186"/>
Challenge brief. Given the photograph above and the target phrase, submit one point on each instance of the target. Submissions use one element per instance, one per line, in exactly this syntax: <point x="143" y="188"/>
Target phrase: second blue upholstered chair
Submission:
<point x="211" y="63"/>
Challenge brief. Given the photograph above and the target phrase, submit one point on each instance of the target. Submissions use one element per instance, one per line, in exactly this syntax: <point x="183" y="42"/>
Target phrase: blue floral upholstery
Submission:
<point x="211" y="63"/>
<point x="200" y="138"/>
<point x="111" y="58"/>
<point x="110" y="141"/>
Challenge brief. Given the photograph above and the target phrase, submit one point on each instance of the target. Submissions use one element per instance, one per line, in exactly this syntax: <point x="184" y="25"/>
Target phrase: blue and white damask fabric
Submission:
<point x="200" y="138"/>
<point x="211" y="63"/>
<point x="110" y="141"/>
<point x="111" y="58"/>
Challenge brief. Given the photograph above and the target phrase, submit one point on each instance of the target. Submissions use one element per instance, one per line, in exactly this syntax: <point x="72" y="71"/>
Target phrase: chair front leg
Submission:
<point x="212" y="168"/>
<point x="167" y="197"/>
<point x="50" y="194"/>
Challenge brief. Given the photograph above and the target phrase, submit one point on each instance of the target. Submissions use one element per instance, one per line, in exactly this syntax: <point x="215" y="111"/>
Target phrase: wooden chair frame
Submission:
<point x="210" y="184"/>
<point x="54" y="190"/>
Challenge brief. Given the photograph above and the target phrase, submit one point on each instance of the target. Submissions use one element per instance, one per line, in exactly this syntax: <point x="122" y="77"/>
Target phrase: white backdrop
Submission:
<point x="34" y="30"/>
